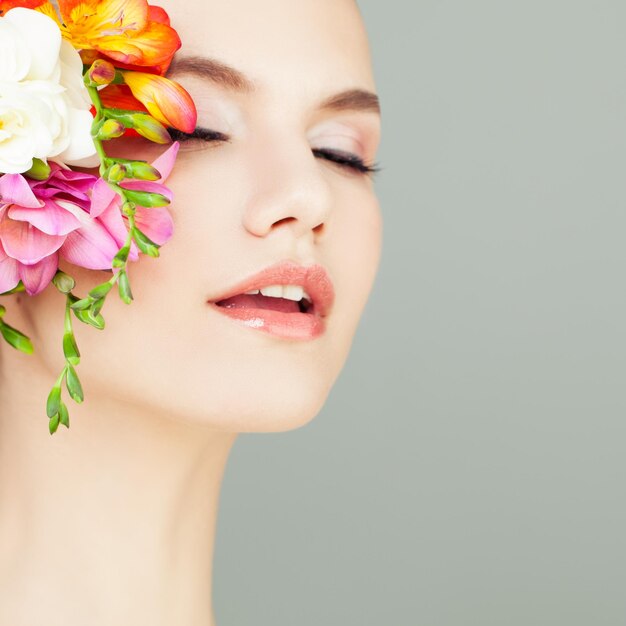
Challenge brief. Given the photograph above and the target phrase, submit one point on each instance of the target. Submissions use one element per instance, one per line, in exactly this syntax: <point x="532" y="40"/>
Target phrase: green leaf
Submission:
<point x="146" y="199"/>
<point x="53" y="424"/>
<point x="100" y="290"/>
<point x="96" y="307"/>
<point x="54" y="401"/>
<point x="17" y="339"/>
<point x="70" y="349"/>
<point x="81" y="305"/>
<point x="124" y="287"/>
<point x="74" y="387"/>
<point x="64" y="416"/>
<point x="146" y="245"/>
<point x="83" y="316"/>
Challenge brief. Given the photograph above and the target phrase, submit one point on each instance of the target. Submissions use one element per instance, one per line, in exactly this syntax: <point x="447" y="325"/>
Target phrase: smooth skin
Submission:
<point x="113" y="521"/>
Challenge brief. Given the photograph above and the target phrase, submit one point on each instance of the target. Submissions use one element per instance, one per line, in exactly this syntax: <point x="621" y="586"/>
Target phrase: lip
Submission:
<point x="315" y="281"/>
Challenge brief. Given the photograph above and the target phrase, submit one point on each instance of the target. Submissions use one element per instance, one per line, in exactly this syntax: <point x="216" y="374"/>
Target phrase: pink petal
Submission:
<point x="102" y="196"/>
<point x="26" y="243"/>
<point x="113" y="221"/>
<point x="91" y="246"/>
<point x="165" y="162"/>
<point x="64" y="183"/>
<point x="9" y="274"/>
<point x="52" y="218"/>
<point x="38" y="276"/>
<point x="15" y="190"/>
<point x="156" y="223"/>
<point x="79" y="180"/>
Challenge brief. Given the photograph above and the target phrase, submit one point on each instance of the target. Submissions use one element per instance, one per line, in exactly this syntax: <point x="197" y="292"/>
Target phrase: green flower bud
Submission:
<point x="142" y="170"/>
<point x="63" y="282"/>
<point x="54" y="401"/>
<point x="109" y="129"/>
<point x="124" y="287"/>
<point x="96" y="322"/>
<point x="39" y="170"/>
<point x="100" y="73"/>
<point x="53" y="424"/>
<point x="64" y="416"/>
<point x="16" y="339"/>
<point x="74" y="387"/>
<point x="116" y="173"/>
<point x="3" y="310"/>
<point x="143" y="123"/>
<point x="146" y="198"/>
<point x="150" y="128"/>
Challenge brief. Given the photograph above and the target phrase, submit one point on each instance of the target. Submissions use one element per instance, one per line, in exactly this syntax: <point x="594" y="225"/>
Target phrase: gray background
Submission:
<point x="468" y="468"/>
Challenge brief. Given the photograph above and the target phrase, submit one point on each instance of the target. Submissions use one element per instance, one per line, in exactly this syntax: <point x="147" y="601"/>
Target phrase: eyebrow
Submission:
<point x="230" y="78"/>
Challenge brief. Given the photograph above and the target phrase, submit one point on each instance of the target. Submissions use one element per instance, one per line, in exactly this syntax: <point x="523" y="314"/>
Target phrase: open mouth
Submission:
<point x="290" y="302"/>
<point x="270" y="303"/>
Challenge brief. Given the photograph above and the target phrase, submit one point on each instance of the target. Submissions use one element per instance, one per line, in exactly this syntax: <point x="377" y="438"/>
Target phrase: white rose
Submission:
<point x="44" y="105"/>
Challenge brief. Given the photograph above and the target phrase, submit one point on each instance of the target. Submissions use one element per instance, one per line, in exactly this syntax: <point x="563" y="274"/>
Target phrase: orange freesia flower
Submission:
<point x="5" y="5"/>
<point x="165" y="100"/>
<point x="126" y="31"/>
<point x="120" y="97"/>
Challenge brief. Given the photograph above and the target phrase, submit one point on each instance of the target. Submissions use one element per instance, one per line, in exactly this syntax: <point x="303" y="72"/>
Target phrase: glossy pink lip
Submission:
<point x="315" y="281"/>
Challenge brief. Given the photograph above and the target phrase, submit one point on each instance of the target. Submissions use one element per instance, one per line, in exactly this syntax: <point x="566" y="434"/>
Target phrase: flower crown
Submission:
<point x="70" y="80"/>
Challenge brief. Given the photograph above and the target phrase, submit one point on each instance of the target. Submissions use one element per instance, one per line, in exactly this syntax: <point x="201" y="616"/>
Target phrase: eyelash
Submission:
<point x="345" y="159"/>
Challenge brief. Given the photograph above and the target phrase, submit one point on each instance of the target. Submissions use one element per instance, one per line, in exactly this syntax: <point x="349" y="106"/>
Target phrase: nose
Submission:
<point x="289" y="191"/>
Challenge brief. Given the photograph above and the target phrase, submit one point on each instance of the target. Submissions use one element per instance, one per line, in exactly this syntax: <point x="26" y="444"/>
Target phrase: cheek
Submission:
<point x="355" y="249"/>
<point x="168" y="352"/>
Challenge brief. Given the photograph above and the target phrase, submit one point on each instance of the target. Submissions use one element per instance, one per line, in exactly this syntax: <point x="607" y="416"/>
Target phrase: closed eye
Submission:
<point x="344" y="159"/>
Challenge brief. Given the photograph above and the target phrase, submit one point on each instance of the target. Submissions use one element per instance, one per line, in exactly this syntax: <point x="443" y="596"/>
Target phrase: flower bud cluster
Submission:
<point x="54" y="112"/>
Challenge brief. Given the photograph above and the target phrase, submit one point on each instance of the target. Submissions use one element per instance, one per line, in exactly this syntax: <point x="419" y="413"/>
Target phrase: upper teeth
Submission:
<point x="290" y="292"/>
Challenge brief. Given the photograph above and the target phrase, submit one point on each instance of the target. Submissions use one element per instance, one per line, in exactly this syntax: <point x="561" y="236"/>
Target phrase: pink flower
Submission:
<point x="36" y="218"/>
<point x="73" y="216"/>
<point x="156" y="223"/>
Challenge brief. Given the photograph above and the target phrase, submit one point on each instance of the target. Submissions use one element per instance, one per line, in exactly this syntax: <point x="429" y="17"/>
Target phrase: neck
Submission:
<point x="110" y="522"/>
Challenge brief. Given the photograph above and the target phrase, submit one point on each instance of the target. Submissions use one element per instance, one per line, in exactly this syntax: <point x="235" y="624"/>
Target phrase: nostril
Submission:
<point x="284" y="219"/>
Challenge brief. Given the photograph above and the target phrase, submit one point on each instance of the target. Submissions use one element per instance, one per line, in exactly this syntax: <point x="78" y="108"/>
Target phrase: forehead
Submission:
<point x="320" y="43"/>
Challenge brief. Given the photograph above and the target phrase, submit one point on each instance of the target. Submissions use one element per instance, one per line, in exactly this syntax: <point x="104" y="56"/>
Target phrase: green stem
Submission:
<point x="61" y="377"/>
<point x="100" y="112"/>
<point x="68" y="316"/>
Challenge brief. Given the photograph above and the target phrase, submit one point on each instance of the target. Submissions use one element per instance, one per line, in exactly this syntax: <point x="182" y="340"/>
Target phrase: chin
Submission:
<point x="254" y="405"/>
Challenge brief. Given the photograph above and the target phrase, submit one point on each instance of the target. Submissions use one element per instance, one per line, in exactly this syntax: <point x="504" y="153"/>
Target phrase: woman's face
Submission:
<point x="240" y="206"/>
